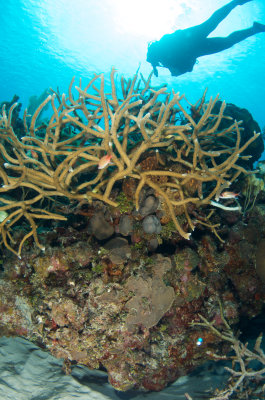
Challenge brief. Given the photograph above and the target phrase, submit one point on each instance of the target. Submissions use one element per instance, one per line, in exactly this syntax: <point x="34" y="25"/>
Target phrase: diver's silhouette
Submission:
<point x="178" y="51"/>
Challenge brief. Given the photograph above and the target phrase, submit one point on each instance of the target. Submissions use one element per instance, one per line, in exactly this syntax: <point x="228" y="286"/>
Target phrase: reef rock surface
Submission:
<point x="122" y="305"/>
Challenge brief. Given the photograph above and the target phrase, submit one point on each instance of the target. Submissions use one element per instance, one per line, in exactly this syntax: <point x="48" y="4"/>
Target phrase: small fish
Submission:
<point x="104" y="161"/>
<point x="34" y="154"/>
<point x="228" y="195"/>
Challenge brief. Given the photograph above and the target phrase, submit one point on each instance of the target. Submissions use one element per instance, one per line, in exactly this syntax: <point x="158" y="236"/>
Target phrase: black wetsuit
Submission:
<point x="183" y="57"/>
<point x="179" y="51"/>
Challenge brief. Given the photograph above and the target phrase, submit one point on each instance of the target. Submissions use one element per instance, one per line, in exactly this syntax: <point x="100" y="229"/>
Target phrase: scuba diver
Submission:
<point x="178" y="51"/>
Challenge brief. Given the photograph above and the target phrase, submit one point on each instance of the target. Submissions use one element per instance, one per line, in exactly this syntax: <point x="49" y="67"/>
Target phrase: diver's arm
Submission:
<point x="155" y="70"/>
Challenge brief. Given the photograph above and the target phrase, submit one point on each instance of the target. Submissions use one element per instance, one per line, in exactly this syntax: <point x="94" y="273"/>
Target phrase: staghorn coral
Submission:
<point x="246" y="380"/>
<point x="58" y="162"/>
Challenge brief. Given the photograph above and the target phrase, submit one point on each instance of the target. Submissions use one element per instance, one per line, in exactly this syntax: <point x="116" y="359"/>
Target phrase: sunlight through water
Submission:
<point x="150" y="18"/>
<point x="62" y="38"/>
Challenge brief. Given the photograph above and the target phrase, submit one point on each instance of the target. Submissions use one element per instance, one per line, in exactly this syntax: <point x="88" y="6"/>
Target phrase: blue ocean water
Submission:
<point x="44" y="43"/>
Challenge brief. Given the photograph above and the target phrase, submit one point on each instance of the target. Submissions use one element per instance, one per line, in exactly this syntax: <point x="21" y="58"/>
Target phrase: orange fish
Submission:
<point x="229" y="195"/>
<point x="104" y="161"/>
<point x="34" y="154"/>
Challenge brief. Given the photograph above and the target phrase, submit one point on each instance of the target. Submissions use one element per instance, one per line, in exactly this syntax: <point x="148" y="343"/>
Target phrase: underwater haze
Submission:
<point x="45" y="43"/>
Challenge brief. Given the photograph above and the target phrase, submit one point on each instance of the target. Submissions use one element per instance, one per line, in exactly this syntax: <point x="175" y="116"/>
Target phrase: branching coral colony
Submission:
<point x="245" y="381"/>
<point x="59" y="161"/>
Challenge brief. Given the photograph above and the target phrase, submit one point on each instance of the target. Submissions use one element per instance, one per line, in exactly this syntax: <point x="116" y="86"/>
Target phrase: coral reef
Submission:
<point x="98" y="141"/>
<point x="96" y="208"/>
<point x="116" y="305"/>
<point x="260" y="260"/>
<point x="248" y="365"/>
<point x="249" y="125"/>
<point x="254" y="186"/>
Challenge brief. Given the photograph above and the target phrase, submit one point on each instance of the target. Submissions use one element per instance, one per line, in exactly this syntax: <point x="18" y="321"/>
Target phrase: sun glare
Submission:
<point x="145" y="18"/>
<point x="150" y="18"/>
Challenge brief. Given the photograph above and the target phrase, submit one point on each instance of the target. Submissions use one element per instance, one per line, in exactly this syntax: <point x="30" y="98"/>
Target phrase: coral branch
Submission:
<point x="60" y="159"/>
<point x="241" y="374"/>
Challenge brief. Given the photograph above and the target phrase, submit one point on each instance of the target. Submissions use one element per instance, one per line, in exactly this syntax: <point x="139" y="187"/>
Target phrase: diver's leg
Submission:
<point x="214" y="45"/>
<point x="204" y="29"/>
